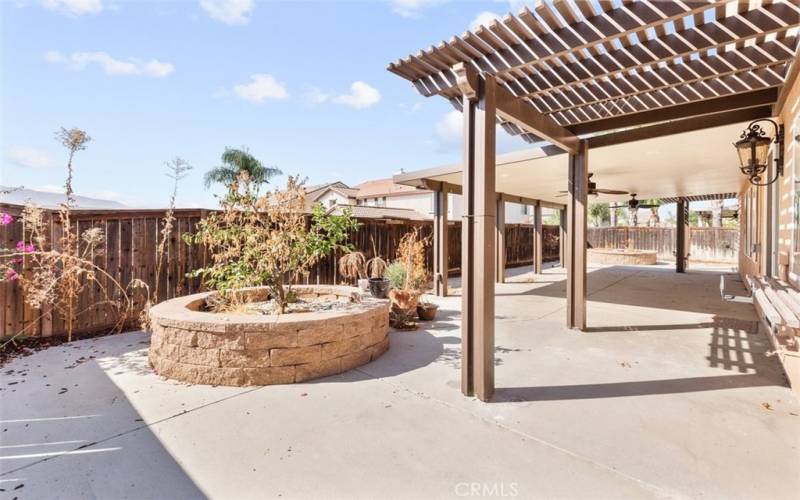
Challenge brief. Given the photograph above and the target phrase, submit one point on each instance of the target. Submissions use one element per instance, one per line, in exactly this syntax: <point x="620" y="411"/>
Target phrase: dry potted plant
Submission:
<point x="408" y="275"/>
<point x="353" y="266"/>
<point x="426" y="310"/>
<point x="376" y="268"/>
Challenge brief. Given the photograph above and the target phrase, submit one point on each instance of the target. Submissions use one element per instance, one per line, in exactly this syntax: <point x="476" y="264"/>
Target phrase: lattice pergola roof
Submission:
<point x="705" y="197"/>
<point x="600" y="65"/>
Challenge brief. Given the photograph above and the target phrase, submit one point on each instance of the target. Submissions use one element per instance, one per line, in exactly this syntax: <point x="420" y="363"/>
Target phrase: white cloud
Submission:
<point x="30" y="158"/>
<point x="315" y="96"/>
<point x="361" y="96"/>
<point x="413" y="8"/>
<point x="261" y="87"/>
<point x="485" y="18"/>
<point x="74" y="7"/>
<point x="229" y="11"/>
<point x="450" y="127"/>
<point x="115" y="67"/>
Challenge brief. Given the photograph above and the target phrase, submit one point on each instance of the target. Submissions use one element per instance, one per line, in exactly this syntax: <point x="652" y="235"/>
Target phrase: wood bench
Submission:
<point x="778" y="306"/>
<point x="777" y="303"/>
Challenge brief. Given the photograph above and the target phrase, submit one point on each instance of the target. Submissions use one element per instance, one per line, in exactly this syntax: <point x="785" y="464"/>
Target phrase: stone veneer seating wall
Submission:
<point x="199" y="347"/>
<point x="621" y="256"/>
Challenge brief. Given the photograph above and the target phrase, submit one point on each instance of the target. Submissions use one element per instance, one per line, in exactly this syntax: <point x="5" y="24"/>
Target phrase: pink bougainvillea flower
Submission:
<point x="5" y="219"/>
<point x="11" y="275"/>
<point x="23" y="247"/>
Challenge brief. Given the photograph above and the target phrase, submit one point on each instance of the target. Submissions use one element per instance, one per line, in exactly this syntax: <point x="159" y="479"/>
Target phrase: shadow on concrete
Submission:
<point x="640" y="286"/>
<point x="75" y="429"/>
<point x="735" y="345"/>
<point x="408" y="351"/>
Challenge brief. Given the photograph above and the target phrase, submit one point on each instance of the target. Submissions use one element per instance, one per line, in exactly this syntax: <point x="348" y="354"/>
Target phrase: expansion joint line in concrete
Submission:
<point x="589" y="295"/>
<point x="129" y="431"/>
<point x="657" y="490"/>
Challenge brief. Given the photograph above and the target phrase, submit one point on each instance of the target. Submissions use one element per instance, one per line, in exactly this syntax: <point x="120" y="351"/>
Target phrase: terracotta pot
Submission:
<point x="404" y="299"/>
<point x="427" y="312"/>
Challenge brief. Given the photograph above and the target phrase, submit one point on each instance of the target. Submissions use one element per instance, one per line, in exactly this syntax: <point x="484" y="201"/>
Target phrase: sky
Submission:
<point x="302" y="85"/>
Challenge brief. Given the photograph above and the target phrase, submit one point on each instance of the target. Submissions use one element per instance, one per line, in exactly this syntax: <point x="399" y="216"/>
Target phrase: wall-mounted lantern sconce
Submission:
<point x="753" y="150"/>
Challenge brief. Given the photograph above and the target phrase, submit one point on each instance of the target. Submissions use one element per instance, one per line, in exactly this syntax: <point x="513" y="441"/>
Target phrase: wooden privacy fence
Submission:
<point x="130" y="253"/>
<point x="708" y="244"/>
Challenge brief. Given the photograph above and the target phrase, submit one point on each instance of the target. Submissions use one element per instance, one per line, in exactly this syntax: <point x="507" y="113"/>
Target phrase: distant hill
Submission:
<point x="46" y="199"/>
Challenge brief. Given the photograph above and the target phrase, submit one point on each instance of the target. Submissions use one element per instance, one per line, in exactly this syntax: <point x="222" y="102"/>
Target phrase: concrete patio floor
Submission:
<point x="670" y="394"/>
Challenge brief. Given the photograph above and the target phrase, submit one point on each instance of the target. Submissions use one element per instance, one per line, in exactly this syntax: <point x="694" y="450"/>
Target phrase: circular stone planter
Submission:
<point x="621" y="256"/>
<point x="201" y="347"/>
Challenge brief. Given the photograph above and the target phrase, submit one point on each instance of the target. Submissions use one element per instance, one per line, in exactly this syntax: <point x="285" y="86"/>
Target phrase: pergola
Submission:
<point x="571" y="76"/>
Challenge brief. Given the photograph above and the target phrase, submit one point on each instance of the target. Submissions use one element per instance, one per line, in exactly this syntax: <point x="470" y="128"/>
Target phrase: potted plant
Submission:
<point x="378" y="285"/>
<point x="353" y="266"/>
<point x="407" y="275"/>
<point x="426" y="310"/>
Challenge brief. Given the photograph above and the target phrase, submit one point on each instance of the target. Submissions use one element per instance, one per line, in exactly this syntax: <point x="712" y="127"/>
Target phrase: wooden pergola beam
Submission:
<point x="704" y="68"/>
<point x="500" y="241"/>
<point x="700" y="108"/>
<point x="478" y="241"/>
<point x="432" y="75"/>
<point x="441" y="251"/>
<point x="577" y="195"/>
<point x="792" y="75"/>
<point x="679" y="126"/>
<point x="683" y="238"/>
<point x="538" y="239"/>
<point x="682" y="93"/>
<point x="519" y="112"/>
<point x="516" y="110"/>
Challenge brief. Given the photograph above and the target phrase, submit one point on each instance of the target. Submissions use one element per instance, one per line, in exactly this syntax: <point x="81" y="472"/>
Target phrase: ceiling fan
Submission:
<point x="634" y="204"/>
<point x="594" y="190"/>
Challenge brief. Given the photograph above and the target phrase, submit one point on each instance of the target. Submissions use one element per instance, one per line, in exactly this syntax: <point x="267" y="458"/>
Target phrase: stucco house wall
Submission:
<point x="755" y="264"/>
<point x="332" y="198"/>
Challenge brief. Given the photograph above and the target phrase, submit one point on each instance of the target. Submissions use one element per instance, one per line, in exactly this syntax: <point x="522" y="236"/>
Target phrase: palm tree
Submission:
<point x="234" y="162"/>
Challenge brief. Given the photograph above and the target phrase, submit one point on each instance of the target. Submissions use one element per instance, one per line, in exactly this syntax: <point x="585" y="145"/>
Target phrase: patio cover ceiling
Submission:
<point x="690" y="165"/>
<point x="586" y="67"/>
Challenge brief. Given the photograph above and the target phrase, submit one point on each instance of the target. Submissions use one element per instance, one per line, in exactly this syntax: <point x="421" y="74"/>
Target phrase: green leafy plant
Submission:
<point x="267" y="240"/>
<point x="235" y="162"/>
<point x="396" y="274"/>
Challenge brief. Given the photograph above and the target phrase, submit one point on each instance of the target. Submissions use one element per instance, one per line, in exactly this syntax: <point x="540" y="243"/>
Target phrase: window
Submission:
<point x="331" y="202"/>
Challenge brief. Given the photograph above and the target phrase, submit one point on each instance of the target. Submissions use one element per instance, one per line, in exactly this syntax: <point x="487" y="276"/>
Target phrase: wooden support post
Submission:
<point x="682" y="240"/>
<point x="478" y="235"/>
<point x="562" y="238"/>
<point x="500" y="241"/>
<point x="576" y="237"/>
<point x="440" y="246"/>
<point x="538" y="239"/>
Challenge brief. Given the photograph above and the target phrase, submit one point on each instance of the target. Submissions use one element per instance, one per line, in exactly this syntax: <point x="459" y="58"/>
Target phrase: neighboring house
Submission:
<point x="381" y="213"/>
<point x="384" y="193"/>
<point x="331" y="194"/>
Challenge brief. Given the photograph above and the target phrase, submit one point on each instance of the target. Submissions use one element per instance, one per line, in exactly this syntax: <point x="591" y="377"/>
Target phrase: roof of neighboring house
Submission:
<point x="313" y="193"/>
<point x="385" y="187"/>
<point x="369" y="212"/>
